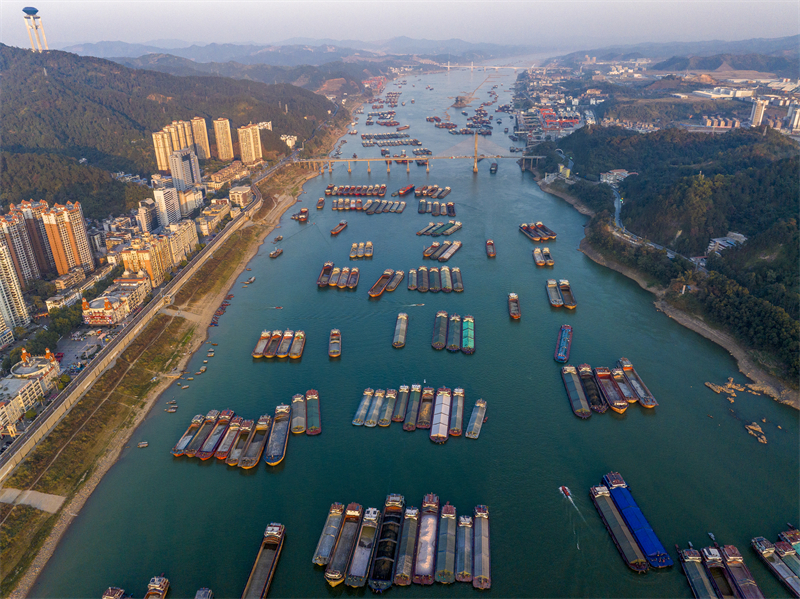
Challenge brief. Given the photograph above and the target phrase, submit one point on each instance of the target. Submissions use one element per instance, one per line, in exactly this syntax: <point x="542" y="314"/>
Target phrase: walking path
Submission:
<point x="42" y="501"/>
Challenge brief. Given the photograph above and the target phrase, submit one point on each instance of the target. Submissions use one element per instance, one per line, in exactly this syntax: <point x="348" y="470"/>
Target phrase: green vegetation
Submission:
<point x="595" y="196"/>
<point x="779" y="65"/>
<point x="662" y="111"/>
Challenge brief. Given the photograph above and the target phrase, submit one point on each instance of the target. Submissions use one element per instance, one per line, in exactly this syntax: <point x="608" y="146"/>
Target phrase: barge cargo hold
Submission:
<point x="623" y="386"/>
<point x="363" y="406"/>
<point x="611" y="393"/>
<point x="779" y="569"/>
<point x="214" y="438"/>
<point x="563" y="344"/>
<point x="482" y="564"/>
<point x="422" y="282"/>
<point x="446" y="551"/>
<point x="566" y="294"/>
<point x="239" y="443"/>
<point x="454" y="333"/>
<point x="441" y="415"/>
<point x="404" y="565"/>
<point x="425" y="409"/>
<point x="285" y="345"/>
<point x="426" y="544"/>
<point x="649" y="543"/>
<point x="400" y="329"/>
<point x="468" y="335"/>
<point x="412" y="279"/>
<point x="400" y="406"/>
<point x="382" y="569"/>
<point x="434" y="282"/>
<point x="202" y="434"/>
<point x="325" y="274"/>
<point x="439" y="337"/>
<point x="313" y="414"/>
<point x="299" y="343"/>
<point x="375" y="409"/>
<point x="646" y="398"/>
<point x="740" y="573"/>
<point x="255" y="445"/>
<point x="577" y="399"/>
<point x="513" y="306"/>
<point x="385" y="417"/>
<point x="476" y="420"/>
<point x="696" y="575"/>
<point x="458" y="283"/>
<point x="620" y="533"/>
<point x="362" y="554"/>
<point x="464" y="549"/>
<point x="720" y="577"/>
<point x="187" y="437"/>
<point x="298" y="414"/>
<point x="457" y="413"/>
<point x="275" y="449"/>
<point x="490" y="249"/>
<point x="261" y="344"/>
<point x="226" y="444"/>
<point x="596" y="401"/>
<point x="380" y="285"/>
<point x="266" y="561"/>
<point x="337" y="567"/>
<point x="330" y="532"/>
<point x="410" y="422"/>
<point x="447" y="279"/>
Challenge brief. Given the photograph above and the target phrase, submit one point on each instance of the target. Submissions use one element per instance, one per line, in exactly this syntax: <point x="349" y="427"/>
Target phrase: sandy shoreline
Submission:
<point x="571" y="200"/>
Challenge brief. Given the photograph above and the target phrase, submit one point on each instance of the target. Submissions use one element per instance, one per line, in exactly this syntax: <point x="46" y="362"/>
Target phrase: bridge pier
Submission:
<point x="408" y="166"/>
<point x="369" y="170"/>
<point x="388" y="166"/>
<point x="427" y="166"/>
<point x="349" y="170"/>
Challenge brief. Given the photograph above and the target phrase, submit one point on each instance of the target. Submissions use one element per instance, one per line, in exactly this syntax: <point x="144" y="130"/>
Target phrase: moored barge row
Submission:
<point x="618" y="529"/>
<point x="365" y="545"/>
<point x="776" y="565"/>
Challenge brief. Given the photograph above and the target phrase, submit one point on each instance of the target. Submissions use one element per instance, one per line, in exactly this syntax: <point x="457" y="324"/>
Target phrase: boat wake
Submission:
<point x="568" y="495"/>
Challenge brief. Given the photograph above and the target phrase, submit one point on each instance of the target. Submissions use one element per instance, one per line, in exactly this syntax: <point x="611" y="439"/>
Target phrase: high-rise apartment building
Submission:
<point x="19" y="245"/>
<point x="66" y="233"/>
<point x="167" y="206"/>
<point x="151" y="254"/>
<point x="32" y="212"/>
<point x="147" y="215"/>
<point x="757" y="113"/>
<point x="222" y="134"/>
<point x="185" y="169"/>
<point x="182" y="238"/>
<point x="163" y="146"/>
<point x="190" y="200"/>
<point x="250" y="143"/>
<point x="200" y="132"/>
<point x="181" y="134"/>
<point x="12" y="304"/>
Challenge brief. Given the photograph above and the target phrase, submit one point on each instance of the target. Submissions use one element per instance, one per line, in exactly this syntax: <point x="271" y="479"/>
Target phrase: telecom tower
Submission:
<point x="33" y="22"/>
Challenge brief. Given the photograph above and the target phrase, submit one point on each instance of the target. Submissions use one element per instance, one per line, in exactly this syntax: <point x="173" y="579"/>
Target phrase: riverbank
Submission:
<point x="763" y="381"/>
<point x="569" y="199"/>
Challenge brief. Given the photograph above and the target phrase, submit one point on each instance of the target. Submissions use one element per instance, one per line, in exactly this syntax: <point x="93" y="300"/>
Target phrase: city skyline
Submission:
<point x="587" y="25"/>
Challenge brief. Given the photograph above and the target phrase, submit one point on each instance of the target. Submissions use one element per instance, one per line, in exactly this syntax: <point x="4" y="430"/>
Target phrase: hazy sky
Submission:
<point x="562" y="24"/>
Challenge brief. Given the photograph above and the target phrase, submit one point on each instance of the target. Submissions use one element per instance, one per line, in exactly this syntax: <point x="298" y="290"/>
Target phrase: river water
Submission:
<point x="690" y="463"/>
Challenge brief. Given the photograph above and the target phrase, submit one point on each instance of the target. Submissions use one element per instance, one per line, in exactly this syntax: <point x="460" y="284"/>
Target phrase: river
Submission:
<point x="690" y="463"/>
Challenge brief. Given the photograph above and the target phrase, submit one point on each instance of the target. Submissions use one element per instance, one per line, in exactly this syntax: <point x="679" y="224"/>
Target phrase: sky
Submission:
<point x="562" y="24"/>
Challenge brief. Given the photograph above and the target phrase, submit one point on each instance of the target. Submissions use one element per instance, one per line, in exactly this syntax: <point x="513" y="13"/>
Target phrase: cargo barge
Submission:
<point x="425" y="409"/>
<point x="412" y="279"/>
<point x="396" y="279"/>
<point x="187" y="437"/>
<point x="468" y="335"/>
<point x="261" y="344"/>
<point x="363" y="406"/>
<point x="337" y="567"/>
<point x="482" y="568"/>
<point x="548" y="258"/>
<point x="362" y="554"/>
<point x="789" y="556"/>
<point x="439" y="338"/>
<point x="457" y="413"/>
<point x="400" y="329"/>
<point x="476" y="420"/>
<point x="441" y="415"/>
<point x="538" y="257"/>
<point x="595" y="399"/>
<point x="446" y="552"/>
<point x="285" y="345"/>
<point x="447" y="279"/>
<point x="776" y="565"/>
<point x="618" y="529"/>
<point x="266" y="561"/>
<point x="648" y="542"/>
<point x="407" y="551"/>
<point x="239" y="443"/>
<point x="202" y="434"/>
<point x="368" y="250"/>
<point x="720" y="578"/>
<point x="352" y="280"/>
<point x="426" y="544"/>
<point x="214" y="438"/>
<point x="490" y="250"/>
<point x="330" y="533"/>
<point x="385" y="416"/>
<point x="458" y="283"/>
<point x="646" y="398"/>
<point x="554" y="293"/>
<point x="255" y="445"/>
<point x="696" y="575"/>
<point x="454" y="333"/>
<point x="464" y="549"/>
<point x="380" y="285"/>
<point x="610" y="391"/>
<point x="299" y="343"/>
<point x="740" y="574"/>
<point x="422" y="279"/>
<point x="401" y="405"/>
<point x="513" y="306"/>
<point x="313" y="414"/>
<point x="386" y="550"/>
<point x="343" y="278"/>
<point x="373" y="415"/>
<point x="434" y="282"/>
<point x="274" y="344"/>
<point x="412" y="412"/>
<point x="575" y="394"/>
<point x="335" y="343"/>
<point x="334" y="279"/>
<point x="563" y="344"/>
<point x="448" y="253"/>
<point x="325" y="274"/>
<point x="226" y="444"/>
<point x="566" y="294"/>
<point x="298" y="414"/>
<point x="623" y="386"/>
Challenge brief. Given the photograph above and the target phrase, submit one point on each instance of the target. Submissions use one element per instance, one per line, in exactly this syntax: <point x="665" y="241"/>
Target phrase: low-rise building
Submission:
<point x="6" y="337"/>
<point x="211" y="218"/>
<point x="235" y="170"/>
<point x="182" y="238"/>
<point x="72" y="278"/>
<point x="241" y="195"/>
<point x="30" y="380"/>
<point x="120" y="299"/>
<point x="62" y="300"/>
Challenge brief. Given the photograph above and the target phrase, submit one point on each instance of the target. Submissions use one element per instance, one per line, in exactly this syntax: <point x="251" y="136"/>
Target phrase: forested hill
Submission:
<point x="781" y="66"/>
<point x="77" y="106"/>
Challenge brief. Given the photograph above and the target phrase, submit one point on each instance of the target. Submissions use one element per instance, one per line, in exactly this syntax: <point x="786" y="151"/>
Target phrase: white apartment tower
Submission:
<point x="222" y="133"/>
<point x="163" y="146"/>
<point x="12" y="304"/>
<point x="168" y="207"/>
<point x="185" y="169"/>
<point x="757" y="113"/>
<point x="200" y="132"/>
<point x="20" y="247"/>
<point x="250" y="143"/>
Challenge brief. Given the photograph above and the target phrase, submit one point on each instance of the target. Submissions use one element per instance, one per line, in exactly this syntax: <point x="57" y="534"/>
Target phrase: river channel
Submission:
<point x="689" y="462"/>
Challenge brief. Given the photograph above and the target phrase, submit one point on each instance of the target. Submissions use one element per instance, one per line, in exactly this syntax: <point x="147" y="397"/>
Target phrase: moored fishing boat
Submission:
<point x="646" y="398"/>
<point x="538" y="257"/>
<point x="202" y="434"/>
<point x="720" y="578"/>
<point x="299" y="343"/>
<point x="592" y="392"/>
<point x="337" y="566"/>
<point x="482" y="563"/>
<point x="464" y="549"/>
<point x="224" y="447"/>
<point x="425" y="408"/>
<point x="513" y="306"/>
<point x="407" y="551"/>
<point x="298" y="413"/>
<point x="380" y="285"/>
<point x="266" y="561"/>
<point x="363" y="406"/>
<point x="186" y="437"/>
<point x="385" y="416"/>
<point x="335" y="344"/>
<point x="239" y="443"/>
<point x="476" y="420"/>
<point x="434" y="281"/>
<point x="410" y="423"/>
<point x="261" y="344"/>
<point x="618" y="529"/>
<point x="313" y="414"/>
<point x="458" y="283"/>
<point x="776" y="565"/>
<point x="274" y="344"/>
<point x="651" y="546"/>
<point x="426" y="544"/>
<point x="439" y="338"/>
<point x="468" y="335"/>
<point x="609" y="390"/>
<point x="255" y="444"/>
<point x="696" y="575"/>
<point x="400" y="329"/>
<point x="490" y="250"/>
<point x="401" y="405"/>
<point x="329" y="535"/>
<point x="548" y="258"/>
<point x="373" y="415"/>
<point x="457" y="413"/>
<point x="566" y="294"/>
<point x="412" y="279"/>
<point x="446" y="546"/>
<point x="352" y="280"/>
<point x="214" y="438"/>
<point x="422" y="279"/>
<point x="325" y="274"/>
<point x="396" y="279"/>
<point x="563" y="344"/>
<point x="623" y="386"/>
<point x="447" y="281"/>
<point x="454" y="333"/>
<point x="554" y="293"/>
<point x="279" y="437"/>
<point x="441" y="415"/>
<point x="386" y="549"/>
<point x="344" y="278"/>
<point x="575" y="394"/>
<point x="286" y="344"/>
<point x="365" y="546"/>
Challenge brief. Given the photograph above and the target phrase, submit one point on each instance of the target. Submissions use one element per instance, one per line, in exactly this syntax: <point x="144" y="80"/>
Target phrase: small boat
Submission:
<point x="276" y="240"/>
<point x="274" y="343"/>
<point x="513" y="306"/>
<point x="422" y="279"/>
<point x="464" y="544"/>
<point x="275" y="253"/>
<point x="325" y="274"/>
<point x="609" y="390"/>
<point x="424" y="565"/>
<point x="490" y="251"/>
<point x="313" y="414"/>
<point x="337" y="566"/>
<point x="335" y="343"/>
<point x="352" y="280"/>
<point x="368" y="249"/>
<point x="554" y="294"/>
<point x="343" y="278"/>
<point x="565" y="492"/>
<point x="255" y="445"/>
<point x="538" y="257"/>
<point x="329" y="536"/>
<point x="646" y="398"/>
<point x="299" y="343"/>
<point x="298" y="414"/>
<point x="250" y="280"/>
<point x="286" y="344"/>
<point x="335" y="274"/>
<point x="224" y="447"/>
<point x="596" y="401"/>
<point x="239" y="443"/>
<point x="412" y="279"/>
<point x="365" y="546"/>
<point x="446" y="546"/>
<point x="440" y="425"/>
<point x="401" y="405"/>
<point x="697" y="576"/>
<point x="548" y="259"/>
<point x="410" y="423"/>
<point x="476" y="420"/>
<point x="386" y="549"/>
<point x="339" y="228"/>
<point x="407" y="550"/>
<point x="566" y="294"/>
<point x="563" y="344"/>
<point x="275" y="449"/>
<point x="396" y="279"/>
<point x="482" y="573"/>
<point x="575" y="394"/>
<point x="142" y="444"/>
<point x="266" y="562"/>
<point x="454" y="333"/>
<point x="400" y="329"/>
<point x="157" y="588"/>
<point x="439" y="339"/>
<point x="380" y="285"/>
<point x="618" y="529"/>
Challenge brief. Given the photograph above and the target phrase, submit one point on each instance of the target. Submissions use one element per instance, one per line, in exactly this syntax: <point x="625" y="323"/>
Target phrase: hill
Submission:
<point x="779" y="65"/>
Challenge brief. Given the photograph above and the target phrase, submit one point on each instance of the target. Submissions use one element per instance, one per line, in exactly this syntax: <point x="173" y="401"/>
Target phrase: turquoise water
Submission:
<point x="690" y="463"/>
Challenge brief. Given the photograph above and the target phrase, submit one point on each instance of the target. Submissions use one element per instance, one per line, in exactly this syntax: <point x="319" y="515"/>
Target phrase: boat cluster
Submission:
<point x="436" y="209"/>
<point x="453" y="333"/>
<point x="439" y="229"/>
<point x="361" y="249"/>
<point x="355" y="190"/>
<point x="333" y="276"/>
<point x="433" y="192"/>
<point x="241" y="442"/>
<point x="403" y="545"/>
<point x="559" y="294"/>
<point x="280" y="344"/>
<point x="221" y="310"/>
<point x="435" y="279"/>
<point x="409" y="141"/>
<point x="370" y="206"/>
<point x="601" y="388"/>
<point x="780" y="557"/>
<point x="442" y="252"/>
<point x="442" y="413"/>
<point x="537" y="231"/>
<point x="542" y="257"/>
<point x="388" y="281"/>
